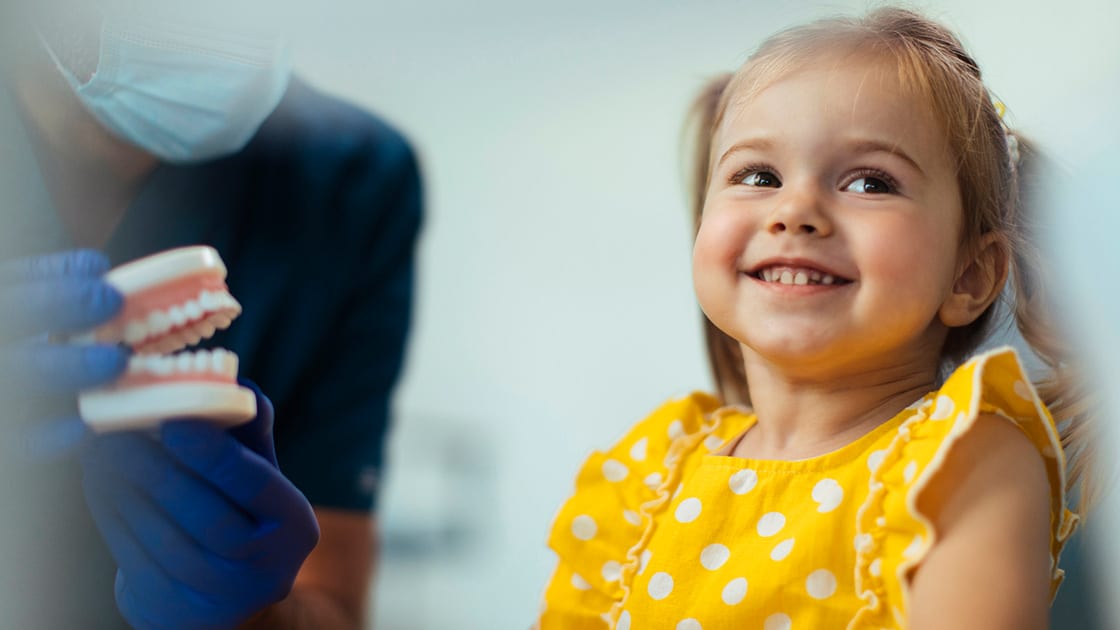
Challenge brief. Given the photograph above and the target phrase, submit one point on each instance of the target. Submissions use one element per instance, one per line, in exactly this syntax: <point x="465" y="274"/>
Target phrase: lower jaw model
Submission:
<point x="172" y="300"/>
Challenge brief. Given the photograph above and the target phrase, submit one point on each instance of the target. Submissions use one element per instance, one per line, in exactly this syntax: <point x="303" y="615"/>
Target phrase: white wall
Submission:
<point x="555" y="305"/>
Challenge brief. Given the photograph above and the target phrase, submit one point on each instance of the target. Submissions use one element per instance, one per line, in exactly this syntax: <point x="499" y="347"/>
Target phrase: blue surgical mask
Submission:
<point x="180" y="92"/>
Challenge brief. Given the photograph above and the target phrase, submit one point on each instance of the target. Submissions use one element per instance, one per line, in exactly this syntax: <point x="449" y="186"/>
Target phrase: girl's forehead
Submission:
<point x="856" y="94"/>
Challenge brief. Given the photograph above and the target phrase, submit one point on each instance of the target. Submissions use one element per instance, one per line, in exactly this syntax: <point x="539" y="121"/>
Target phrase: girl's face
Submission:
<point x="830" y="234"/>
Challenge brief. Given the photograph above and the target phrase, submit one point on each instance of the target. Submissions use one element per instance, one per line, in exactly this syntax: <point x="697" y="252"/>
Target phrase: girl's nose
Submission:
<point x="799" y="213"/>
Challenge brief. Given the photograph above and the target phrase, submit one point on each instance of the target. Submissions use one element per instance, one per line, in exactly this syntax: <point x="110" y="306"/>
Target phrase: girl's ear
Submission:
<point x="978" y="284"/>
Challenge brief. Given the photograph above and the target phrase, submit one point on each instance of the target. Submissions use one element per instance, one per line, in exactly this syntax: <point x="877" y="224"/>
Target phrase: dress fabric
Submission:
<point x="663" y="533"/>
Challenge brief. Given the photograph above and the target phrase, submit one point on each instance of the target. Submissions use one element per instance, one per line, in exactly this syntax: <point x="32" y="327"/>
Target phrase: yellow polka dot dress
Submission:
<point x="662" y="533"/>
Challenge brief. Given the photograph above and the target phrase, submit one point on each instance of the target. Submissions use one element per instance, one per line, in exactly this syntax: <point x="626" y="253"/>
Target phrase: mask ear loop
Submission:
<point x="75" y="83"/>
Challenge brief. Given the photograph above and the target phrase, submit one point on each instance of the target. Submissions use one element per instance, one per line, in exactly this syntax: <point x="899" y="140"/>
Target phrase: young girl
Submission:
<point x="859" y="208"/>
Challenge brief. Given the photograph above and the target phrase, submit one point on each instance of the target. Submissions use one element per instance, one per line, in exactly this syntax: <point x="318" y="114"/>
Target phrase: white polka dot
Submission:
<point x="876" y="567"/>
<point x="771" y="524"/>
<point x="943" y="408"/>
<point x="863" y="542"/>
<point x="638" y="451"/>
<point x="584" y="527"/>
<point x="653" y="481"/>
<point x="605" y="617"/>
<point x="875" y="458"/>
<point x="1022" y="390"/>
<point x="781" y="550"/>
<point x="688" y="510"/>
<point x="676" y="429"/>
<point x="623" y="621"/>
<point x="910" y="471"/>
<point x="821" y="584"/>
<point x="676" y="492"/>
<point x="743" y="481"/>
<point x="632" y="517"/>
<point x="689" y="624"/>
<point x="615" y="470"/>
<point x="660" y="585"/>
<point x="579" y="583"/>
<point x="735" y="591"/>
<point x="881" y="521"/>
<point x="643" y="561"/>
<point x="712" y="442"/>
<point x="612" y="570"/>
<point x="828" y="494"/>
<point x="777" y="621"/>
<point x="915" y="547"/>
<point x="714" y="556"/>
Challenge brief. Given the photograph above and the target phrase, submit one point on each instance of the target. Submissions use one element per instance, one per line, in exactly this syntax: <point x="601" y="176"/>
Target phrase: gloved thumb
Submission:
<point x="256" y="435"/>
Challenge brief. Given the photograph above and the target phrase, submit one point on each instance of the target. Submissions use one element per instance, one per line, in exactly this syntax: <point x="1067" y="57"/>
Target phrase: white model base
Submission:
<point x="147" y="406"/>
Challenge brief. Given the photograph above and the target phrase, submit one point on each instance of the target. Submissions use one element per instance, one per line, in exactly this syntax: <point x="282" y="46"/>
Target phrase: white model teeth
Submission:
<point x="796" y="277"/>
<point x="216" y="362"/>
<point x="201" y="317"/>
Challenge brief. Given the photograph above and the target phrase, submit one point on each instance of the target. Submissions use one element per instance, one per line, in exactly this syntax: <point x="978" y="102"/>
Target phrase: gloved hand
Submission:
<point x="204" y="528"/>
<point x="51" y="295"/>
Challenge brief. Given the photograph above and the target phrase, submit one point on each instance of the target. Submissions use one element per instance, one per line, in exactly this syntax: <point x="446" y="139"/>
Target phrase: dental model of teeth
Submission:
<point x="172" y="300"/>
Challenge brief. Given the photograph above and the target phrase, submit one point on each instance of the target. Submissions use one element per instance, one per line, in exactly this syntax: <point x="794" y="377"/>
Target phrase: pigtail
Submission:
<point x="724" y="356"/>
<point x="1063" y="388"/>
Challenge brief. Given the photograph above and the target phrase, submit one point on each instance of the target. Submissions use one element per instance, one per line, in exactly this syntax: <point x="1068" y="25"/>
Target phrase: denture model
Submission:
<point x="172" y="300"/>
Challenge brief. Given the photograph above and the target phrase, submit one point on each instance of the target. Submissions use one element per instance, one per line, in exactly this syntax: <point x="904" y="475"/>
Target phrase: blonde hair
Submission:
<point x="996" y="193"/>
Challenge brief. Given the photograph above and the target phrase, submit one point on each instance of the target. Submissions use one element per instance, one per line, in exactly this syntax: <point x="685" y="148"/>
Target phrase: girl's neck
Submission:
<point x="801" y="417"/>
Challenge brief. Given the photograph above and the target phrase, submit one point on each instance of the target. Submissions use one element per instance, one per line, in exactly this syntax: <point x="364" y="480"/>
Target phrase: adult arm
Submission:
<point x="332" y="587"/>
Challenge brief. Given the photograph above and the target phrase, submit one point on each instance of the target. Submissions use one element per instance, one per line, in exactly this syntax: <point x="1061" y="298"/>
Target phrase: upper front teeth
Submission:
<point x="796" y="277"/>
<point x="159" y="322"/>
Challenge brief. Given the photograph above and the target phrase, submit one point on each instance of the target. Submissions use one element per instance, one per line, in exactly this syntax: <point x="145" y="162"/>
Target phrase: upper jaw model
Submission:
<point x="172" y="300"/>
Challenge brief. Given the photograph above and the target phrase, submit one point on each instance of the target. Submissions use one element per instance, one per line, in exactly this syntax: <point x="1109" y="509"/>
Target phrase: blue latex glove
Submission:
<point x="41" y="296"/>
<point x="204" y="528"/>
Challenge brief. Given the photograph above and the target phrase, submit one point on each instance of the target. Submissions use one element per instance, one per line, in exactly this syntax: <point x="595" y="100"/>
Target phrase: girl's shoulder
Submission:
<point x="598" y="532"/>
<point x="986" y="411"/>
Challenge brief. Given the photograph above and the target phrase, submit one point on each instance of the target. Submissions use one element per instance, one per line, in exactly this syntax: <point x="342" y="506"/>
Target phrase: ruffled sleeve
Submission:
<point x="598" y="531"/>
<point x="894" y="535"/>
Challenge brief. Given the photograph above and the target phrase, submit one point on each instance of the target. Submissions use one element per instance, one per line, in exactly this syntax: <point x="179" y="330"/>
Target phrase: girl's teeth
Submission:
<point x="798" y="278"/>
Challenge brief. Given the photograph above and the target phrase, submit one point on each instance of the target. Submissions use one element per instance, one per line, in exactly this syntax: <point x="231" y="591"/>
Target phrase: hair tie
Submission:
<point x="1012" y="141"/>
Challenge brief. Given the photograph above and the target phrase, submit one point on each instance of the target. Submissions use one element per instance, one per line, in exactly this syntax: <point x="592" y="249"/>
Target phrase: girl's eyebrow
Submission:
<point x="878" y="146"/>
<point x="752" y="144"/>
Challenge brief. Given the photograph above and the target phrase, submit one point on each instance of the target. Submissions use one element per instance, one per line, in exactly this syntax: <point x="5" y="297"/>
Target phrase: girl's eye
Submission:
<point x="872" y="184"/>
<point x="764" y="179"/>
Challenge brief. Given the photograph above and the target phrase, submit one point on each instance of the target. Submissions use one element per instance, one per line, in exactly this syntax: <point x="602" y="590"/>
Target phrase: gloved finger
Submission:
<point x="60" y="305"/>
<point x="257" y="435"/>
<point x="134" y="609"/>
<point x="131" y="560"/>
<point x="52" y="440"/>
<point x="173" y="550"/>
<point x="46" y="367"/>
<point x="198" y="508"/>
<point x="244" y="476"/>
<point x="79" y="263"/>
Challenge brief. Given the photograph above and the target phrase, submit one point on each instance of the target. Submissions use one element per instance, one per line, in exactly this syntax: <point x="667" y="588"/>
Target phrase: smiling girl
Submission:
<point x="860" y="206"/>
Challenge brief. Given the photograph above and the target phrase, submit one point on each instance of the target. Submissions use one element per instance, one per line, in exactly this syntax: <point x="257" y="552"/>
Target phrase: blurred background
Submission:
<point x="555" y="305"/>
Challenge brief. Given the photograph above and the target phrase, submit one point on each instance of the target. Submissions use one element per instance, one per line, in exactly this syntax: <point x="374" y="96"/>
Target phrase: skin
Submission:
<point x="809" y="175"/>
<point x="92" y="178"/>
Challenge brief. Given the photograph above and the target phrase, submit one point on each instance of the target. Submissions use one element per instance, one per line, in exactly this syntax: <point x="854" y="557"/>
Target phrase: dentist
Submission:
<point x="133" y="127"/>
